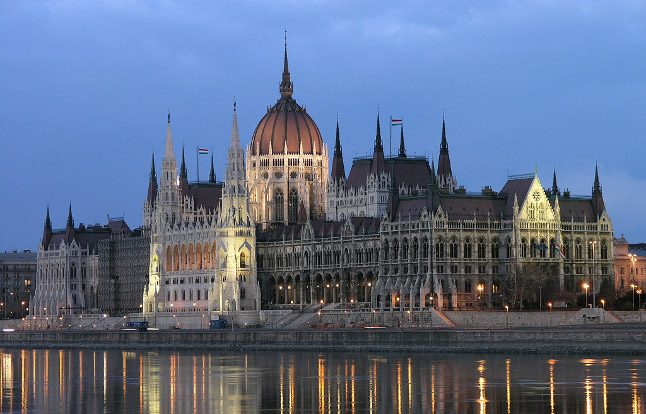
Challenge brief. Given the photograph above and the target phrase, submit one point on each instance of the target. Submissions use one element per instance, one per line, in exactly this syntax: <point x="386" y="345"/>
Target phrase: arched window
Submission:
<point x="523" y="248"/>
<point x="280" y="205"/>
<point x="396" y="249"/>
<point x="467" y="248"/>
<point x="453" y="249"/>
<point x="439" y="248"/>
<point x="578" y="249"/>
<point x="552" y="249"/>
<point x="604" y="249"/>
<point x="425" y="248"/>
<point x="243" y="261"/>
<point x="405" y="249"/>
<point x="542" y="249"/>
<point x="510" y="249"/>
<point x="532" y="248"/>
<point x="566" y="248"/>
<point x="591" y="250"/>
<point x="415" y="248"/>
<point x="495" y="253"/>
<point x="293" y="206"/>
<point x="386" y="250"/>
<point x="482" y="249"/>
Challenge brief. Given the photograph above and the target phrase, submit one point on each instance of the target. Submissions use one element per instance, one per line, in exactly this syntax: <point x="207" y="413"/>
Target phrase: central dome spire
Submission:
<point x="286" y="85"/>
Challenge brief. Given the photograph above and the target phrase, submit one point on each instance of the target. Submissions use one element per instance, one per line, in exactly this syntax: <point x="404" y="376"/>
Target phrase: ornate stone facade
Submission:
<point x="202" y="257"/>
<point x="287" y="162"/>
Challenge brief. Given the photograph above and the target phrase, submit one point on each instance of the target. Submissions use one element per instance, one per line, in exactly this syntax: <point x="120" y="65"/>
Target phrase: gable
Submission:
<point x="536" y="206"/>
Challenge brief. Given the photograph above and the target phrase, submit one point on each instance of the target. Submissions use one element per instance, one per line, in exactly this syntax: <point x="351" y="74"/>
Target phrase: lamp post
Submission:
<point x="586" y="286"/>
<point x="593" y="243"/>
<point x="633" y="286"/>
<point x="550" y="305"/>
<point x="603" y="303"/>
<point x="507" y="309"/>
<point x="480" y="289"/>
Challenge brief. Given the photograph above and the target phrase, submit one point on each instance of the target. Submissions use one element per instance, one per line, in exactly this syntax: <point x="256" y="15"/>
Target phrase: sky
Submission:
<point x="85" y="88"/>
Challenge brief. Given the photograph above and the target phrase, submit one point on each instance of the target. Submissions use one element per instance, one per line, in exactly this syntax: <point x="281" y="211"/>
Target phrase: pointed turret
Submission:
<point x="444" y="173"/>
<point x="597" y="197"/>
<point x="555" y="188"/>
<point x="212" y="173"/>
<point x="168" y="149"/>
<point x="152" y="184"/>
<point x="596" y="187"/>
<point x="47" y="231"/>
<point x="69" y="229"/>
<point x="402" y="148"/>
<point x="183" y="178"/>
<point x="235" y="162"/>
<point x="378" y="160"/>
<point x="338" y="170"/>
<point x="286" y="85"/>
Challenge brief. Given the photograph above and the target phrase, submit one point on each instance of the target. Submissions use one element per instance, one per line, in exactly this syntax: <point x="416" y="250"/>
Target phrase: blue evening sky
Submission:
<point x="85" y="86"/>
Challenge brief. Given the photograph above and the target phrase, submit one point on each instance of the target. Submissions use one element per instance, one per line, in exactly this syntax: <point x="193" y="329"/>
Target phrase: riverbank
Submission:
<point x="626" y="339"/>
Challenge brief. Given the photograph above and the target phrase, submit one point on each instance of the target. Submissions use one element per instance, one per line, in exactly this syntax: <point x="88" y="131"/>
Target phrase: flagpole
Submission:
<point x="390" y="140"/>
<point x="198" y="163"/>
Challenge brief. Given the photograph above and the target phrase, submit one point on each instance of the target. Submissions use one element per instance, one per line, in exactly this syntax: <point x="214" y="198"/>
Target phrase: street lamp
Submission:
<point x="593" y="243"/>
<point x="586" y="286"/>
<point x="507" y="308"/>
<point x="550" y="305"/>
<point x="480" y="289"/>
<point x="603" y="303"/>
<point x="633" y="286"/>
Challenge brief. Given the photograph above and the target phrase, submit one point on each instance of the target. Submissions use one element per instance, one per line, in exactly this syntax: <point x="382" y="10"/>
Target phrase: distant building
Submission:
<point x="630" y="265"/>
<point x="67" y="267"/>
<point x="123" y="270"/>
<point x="18" y="279"/>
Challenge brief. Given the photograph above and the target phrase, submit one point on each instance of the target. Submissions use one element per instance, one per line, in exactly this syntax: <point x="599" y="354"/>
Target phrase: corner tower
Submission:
<point x="287" y="161"/>
<point x="236" y="286"/>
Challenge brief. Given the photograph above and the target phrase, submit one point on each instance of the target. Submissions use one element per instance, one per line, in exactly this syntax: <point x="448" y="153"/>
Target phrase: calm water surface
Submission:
<point x="53" y="381"/>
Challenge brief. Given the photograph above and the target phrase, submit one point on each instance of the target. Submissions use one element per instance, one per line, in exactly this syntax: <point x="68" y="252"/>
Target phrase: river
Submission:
<point x="91" y="381"/>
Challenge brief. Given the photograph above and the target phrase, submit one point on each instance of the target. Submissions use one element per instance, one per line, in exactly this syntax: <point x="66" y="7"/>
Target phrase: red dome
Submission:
<point x="286" y="122"/>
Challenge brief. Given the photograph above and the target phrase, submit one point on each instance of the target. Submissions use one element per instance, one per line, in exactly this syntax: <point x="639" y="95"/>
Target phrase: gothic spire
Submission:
<point x="597" y="197"/>
<point x="69" y="229"/>
<point x="182" y="170"/>
<point x="555" y="188"/>
<point x="338" y="170"/>
<point x="47" y="231"/>
<point x="152" y="184"/>
<point x="235" y="161"/>
<point x="212" y="173"/>
<point x="444" y="146"/>
<point x="378" y="160"/>
<point x="402" y="148"/>
<point x="379" y="146"/>
<point x="286" y="85"/>
<point x="444" y="173"/>
<point x="596" y="188"/>
<point x="168" y="150"/>
<point x="153" y="175"/>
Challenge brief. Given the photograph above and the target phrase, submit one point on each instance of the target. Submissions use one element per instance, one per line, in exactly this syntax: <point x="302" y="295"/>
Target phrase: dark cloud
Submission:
<point x="86" y="86"/>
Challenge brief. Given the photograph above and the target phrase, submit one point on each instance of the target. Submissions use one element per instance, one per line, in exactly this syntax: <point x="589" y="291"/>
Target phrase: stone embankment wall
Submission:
<point x="532" y="318"/>
<point x="615" y="339"/>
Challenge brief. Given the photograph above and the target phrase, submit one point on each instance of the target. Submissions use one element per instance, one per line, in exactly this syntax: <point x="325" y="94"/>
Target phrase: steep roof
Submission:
<point x="322" y="229"/>
<point x="409" y="171"/>
<point x="206" y="194"/>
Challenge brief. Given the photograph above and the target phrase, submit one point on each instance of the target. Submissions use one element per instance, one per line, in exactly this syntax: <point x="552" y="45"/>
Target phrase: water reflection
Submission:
<point x="226" y="382"/>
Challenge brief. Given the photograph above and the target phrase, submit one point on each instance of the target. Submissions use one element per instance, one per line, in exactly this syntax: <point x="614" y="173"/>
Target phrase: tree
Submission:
<point x="521" y="289"/>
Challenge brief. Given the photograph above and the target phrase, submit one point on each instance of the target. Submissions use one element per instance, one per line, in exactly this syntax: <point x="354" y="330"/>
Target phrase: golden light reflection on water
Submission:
<point x="184" y="382"/>
<point x="551" y="362"/>
<point x="481" y="386"/>
<point x="508" y="382"/>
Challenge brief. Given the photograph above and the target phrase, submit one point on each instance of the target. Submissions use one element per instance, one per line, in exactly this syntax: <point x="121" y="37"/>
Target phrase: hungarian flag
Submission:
<point x="395" y="122"/>
<point x="202" y="151"/>
<point x="558" y="249"/>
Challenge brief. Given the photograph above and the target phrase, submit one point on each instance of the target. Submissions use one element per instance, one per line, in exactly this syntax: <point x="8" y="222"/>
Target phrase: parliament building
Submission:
<point x="284" y="230"/>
